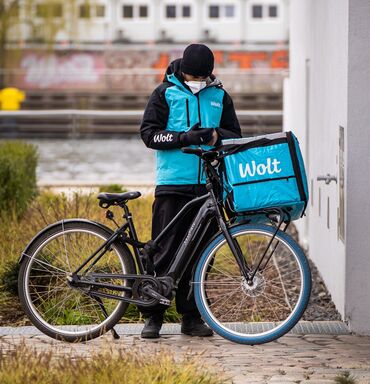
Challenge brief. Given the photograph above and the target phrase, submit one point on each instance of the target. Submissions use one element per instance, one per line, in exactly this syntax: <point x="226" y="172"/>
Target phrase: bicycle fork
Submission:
<point x="232" y="243"/>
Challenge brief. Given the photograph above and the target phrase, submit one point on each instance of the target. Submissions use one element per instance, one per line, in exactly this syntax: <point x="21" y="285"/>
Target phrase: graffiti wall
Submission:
<point x="129" y="70"/>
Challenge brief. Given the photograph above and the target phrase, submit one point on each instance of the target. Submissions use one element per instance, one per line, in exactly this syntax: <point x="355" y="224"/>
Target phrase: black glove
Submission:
<point x="196" y="136"/>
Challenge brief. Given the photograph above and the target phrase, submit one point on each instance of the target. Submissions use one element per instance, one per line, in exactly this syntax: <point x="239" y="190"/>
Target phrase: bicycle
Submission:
<point x="251" y="282"/>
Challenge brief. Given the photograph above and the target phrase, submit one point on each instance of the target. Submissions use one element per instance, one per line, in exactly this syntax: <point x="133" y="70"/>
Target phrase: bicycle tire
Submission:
<point x="257" y="331"/>
<point x="50" y="272"/>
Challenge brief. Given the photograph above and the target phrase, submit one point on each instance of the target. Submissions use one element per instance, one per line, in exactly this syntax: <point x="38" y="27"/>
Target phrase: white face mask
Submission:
<point x="196" y="86"/>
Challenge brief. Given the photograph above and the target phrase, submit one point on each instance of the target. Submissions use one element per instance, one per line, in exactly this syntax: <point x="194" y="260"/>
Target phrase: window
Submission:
<point x="14" y="10"/>
<point x="214" y="11"/>
<point x="128" y="12"/>
<point x="273" y="11"/>
<point x="84" y="11"/>
<point x="186" y="11"/>
<point x="100" y="11"/>
<point x="56" y="10"/>
<point x="257" y="11"/>
<point x="267" y="11"/>
<point x="49" y="10"/>
<point x="171" y="11"/>
<point x="41" y="10"/>
<point x="221" y="11"/>
<point x="229" y="11"/>
<point x="143" y="11"/>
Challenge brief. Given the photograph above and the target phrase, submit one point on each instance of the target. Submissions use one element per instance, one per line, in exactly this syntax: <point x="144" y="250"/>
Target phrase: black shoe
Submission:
<point x="195" y="326"/>
<point x="153" y="325"/>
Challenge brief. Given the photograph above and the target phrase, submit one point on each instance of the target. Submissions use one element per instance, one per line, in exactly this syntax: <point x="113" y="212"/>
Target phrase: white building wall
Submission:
<point x="241" y="27"/>
<point x="136" y="29"/>
<point x="180" y="26"/>
<point x="357" y="306"/>
<point x="94" y="28"/>
<point x="328" y="61"/>
<point x="328" y="89"/>
<point x="295" y="87"/>
<point x="266" y="29"/>
<point x="317" y="97"/>
<point x="227" y="29"/>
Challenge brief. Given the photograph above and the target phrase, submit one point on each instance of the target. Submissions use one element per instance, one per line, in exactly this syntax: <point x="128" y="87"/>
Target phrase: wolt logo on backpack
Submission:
<point x="271" y="167"/>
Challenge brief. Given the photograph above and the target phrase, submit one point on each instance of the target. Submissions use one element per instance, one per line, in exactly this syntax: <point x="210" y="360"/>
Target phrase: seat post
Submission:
<point x="128" y="216"/>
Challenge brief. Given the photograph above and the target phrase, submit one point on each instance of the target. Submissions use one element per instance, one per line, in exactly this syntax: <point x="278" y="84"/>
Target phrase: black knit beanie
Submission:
<point x="197" y="60"/>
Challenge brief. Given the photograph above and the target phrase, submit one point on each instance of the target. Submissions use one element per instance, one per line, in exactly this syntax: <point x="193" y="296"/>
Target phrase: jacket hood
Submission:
<point x="173" y="75"/>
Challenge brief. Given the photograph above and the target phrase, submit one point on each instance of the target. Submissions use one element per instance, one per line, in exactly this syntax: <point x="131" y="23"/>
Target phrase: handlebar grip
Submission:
<point x="193" y="151"/>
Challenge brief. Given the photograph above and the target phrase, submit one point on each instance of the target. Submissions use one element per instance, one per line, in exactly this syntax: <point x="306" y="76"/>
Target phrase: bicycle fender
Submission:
<point x="56" y="224"/>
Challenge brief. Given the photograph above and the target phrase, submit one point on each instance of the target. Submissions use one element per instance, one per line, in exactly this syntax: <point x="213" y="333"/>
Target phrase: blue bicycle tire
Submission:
<point x="282" y="328"/>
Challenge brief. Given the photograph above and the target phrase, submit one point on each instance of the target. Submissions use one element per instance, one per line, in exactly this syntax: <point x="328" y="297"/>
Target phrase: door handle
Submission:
<point x="328" y="178"/>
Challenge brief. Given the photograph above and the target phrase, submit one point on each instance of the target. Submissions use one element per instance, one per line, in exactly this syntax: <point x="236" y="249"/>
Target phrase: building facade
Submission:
<point x="150" y="21"/>
<point x="327" y="103"/>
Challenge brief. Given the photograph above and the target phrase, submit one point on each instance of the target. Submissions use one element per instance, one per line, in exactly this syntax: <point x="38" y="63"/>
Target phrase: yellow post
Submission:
<point x="11" y="98"/>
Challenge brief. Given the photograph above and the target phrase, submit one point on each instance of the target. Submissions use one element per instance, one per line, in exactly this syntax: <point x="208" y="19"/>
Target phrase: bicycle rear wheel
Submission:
<point x="52" y="304"/>
<point x="268" y="308"/>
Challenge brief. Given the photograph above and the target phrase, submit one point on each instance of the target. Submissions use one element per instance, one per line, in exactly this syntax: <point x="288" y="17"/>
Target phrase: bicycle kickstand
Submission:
<point x="101" y="305"/>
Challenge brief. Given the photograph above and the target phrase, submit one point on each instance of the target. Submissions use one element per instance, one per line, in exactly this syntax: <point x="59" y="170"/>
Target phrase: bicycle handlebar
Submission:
<point x="205" y="155"/>
<point x="193" y="151"/>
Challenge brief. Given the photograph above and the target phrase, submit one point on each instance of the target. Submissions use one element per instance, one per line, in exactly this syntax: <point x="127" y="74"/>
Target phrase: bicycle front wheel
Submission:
<point x="52" y="304"/>
<point x="264" y="310"/>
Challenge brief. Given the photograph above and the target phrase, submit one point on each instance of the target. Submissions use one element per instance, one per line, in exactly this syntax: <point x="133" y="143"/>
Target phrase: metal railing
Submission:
<point x="76" y="123"/>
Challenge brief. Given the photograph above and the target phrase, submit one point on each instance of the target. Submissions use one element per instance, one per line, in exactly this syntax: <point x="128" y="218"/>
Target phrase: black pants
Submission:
<point x="165" y="208"/>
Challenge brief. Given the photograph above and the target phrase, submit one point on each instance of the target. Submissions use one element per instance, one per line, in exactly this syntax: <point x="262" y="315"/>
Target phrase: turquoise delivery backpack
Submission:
<point x="264" y="173"/>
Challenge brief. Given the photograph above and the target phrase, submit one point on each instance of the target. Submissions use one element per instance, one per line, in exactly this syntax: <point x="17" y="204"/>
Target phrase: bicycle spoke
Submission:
<point x="44" y="263"/>
<point x="269" y="298"/>
<point x="56" y="301"/>
<point x="227" y="297"/>
<point x="65" y="246"/>
<point x="284" y="275"/>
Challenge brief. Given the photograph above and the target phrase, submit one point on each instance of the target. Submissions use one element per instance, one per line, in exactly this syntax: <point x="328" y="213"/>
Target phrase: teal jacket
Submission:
<point x="172" y="109"/>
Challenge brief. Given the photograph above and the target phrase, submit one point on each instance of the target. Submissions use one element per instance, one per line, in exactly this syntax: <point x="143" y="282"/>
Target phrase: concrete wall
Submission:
<point x="328" y="89"/>
<point x="357" y="306"/>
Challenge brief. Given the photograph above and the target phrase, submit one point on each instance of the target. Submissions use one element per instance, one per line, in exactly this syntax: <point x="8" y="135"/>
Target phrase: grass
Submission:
<point x="345" y="378"/>
<point x="48" y="208"/>
<point x="25" y="365"/>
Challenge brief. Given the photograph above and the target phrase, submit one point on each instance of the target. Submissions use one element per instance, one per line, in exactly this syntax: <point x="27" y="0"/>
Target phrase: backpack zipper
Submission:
<point x="187" y="112"/>
<point x="200" y="124"/>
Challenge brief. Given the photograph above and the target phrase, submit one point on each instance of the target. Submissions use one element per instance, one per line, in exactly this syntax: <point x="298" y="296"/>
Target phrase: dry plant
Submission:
<point x="129" y="366"/>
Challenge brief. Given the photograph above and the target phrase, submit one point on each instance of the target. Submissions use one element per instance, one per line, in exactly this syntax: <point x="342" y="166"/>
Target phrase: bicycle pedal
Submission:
<point x="161" y="299"/>
<point x="165" y="301"/>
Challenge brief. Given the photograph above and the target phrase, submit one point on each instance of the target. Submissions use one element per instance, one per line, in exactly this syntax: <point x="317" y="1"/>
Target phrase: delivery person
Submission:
<point x="190" y="107"/>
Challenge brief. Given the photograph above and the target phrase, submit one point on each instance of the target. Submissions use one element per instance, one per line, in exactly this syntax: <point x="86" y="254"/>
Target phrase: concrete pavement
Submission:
<point x="294" y="358"/>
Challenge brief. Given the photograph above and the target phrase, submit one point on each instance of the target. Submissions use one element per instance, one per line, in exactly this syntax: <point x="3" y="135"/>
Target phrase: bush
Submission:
<point x="48" y="208"/>
<point x="18" y="163"/>
<point x="9" y="277"/>
<point x="112" y="188"/>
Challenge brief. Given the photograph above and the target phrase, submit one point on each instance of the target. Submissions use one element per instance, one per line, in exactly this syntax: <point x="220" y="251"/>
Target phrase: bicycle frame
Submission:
<point x="186" y="254"/>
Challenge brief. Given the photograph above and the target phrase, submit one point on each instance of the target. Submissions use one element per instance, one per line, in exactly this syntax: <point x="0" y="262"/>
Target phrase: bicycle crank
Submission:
<point x="147" y="290"/>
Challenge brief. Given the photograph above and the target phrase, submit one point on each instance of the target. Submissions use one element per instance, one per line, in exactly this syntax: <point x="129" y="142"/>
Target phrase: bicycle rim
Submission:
<point x="271" y="305"/>
<point x="63" y="310"/>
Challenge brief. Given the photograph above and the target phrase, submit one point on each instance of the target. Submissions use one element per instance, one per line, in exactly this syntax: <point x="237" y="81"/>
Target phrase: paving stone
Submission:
<point x="313" y="359"/>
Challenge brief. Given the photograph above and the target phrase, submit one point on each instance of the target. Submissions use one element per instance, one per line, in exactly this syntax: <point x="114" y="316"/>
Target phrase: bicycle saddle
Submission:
<point x="108" y="199"/>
